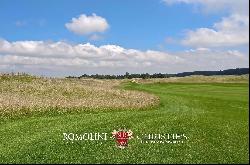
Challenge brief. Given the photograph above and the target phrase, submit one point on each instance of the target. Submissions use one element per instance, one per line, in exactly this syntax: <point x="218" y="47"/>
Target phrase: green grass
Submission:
<point x="214" y="117"/>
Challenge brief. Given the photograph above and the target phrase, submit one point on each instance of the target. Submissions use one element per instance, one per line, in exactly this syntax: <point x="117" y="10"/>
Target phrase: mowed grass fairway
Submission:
<point x="214" y="116"/>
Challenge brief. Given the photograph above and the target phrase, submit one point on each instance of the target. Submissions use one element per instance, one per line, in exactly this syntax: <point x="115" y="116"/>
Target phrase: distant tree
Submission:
<point x="237" y="71"/>
<point x="126" y="75"/>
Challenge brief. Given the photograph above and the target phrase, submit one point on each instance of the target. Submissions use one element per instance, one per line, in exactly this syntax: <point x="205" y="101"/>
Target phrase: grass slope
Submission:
<point x="214" y="116"/>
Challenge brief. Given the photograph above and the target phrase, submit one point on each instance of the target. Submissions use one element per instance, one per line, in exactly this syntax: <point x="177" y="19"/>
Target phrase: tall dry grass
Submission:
<point x="22" y="92"/>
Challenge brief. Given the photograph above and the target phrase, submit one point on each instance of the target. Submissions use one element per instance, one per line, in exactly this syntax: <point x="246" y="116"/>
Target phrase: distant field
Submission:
<point x="200" y="79"/>
<point x="211" y="111"/>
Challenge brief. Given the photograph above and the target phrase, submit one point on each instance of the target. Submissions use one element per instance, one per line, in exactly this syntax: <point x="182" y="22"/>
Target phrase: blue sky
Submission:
<point x="168" y="27"/>
<point x="136" y="24"/>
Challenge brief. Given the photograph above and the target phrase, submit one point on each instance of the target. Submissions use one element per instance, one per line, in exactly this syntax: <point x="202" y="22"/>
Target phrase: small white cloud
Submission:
<point x="20" y="23"/>
<point x="85" y="25"/>
<point x="203" y="49"/>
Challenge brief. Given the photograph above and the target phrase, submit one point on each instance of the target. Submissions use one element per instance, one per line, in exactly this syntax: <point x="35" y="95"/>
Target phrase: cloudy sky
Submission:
<point x="64" y="37"/>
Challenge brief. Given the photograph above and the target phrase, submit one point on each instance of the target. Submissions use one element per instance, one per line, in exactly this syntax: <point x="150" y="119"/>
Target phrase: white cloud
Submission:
<point x="61" y="58"/>
<point x="84" y="25"/>
<point x="211" y="6"/>
<point x="20" y="23"/>
<point x="231" y="31"/>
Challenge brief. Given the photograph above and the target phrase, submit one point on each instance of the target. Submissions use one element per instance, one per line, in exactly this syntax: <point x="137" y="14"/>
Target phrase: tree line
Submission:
<point x="237" y="71"/>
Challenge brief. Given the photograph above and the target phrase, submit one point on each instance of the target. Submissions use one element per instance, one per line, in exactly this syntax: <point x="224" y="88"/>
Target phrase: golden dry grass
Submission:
<point x="41" y="93"/>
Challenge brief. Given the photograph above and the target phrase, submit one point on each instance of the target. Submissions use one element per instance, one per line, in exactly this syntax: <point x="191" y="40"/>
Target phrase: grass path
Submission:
<point x="213" y="116"/>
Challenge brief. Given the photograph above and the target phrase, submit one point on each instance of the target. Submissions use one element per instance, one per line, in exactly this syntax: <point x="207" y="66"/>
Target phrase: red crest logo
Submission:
<point x="122" y="136"/>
